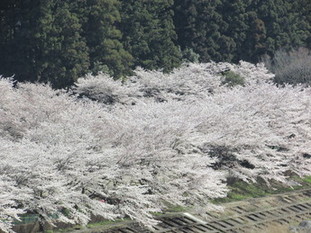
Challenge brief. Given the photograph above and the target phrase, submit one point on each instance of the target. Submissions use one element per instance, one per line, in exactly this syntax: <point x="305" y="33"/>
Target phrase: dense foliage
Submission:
<point x="148" y="33"/>
<point x="59" y="41"/>
<point x="153" y="139"/>
<point x="225" y="30"/>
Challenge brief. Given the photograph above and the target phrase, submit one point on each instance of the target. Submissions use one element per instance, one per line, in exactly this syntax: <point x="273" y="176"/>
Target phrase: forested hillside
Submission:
<point x="58" y="41"/>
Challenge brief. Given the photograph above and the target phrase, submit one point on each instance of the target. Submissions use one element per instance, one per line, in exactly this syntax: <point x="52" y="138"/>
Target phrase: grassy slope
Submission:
<point x="240" y="190"/>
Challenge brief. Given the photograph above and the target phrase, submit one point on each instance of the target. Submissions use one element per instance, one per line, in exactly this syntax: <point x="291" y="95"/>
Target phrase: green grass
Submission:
<point x="107" y="222"/>
<point x="64" y="230"/>
<point x="91" y="225"/>
<point x="240" y="190"/>
<point x="171" y="209"/>
<point x="307" y="180"/>
<point x="176" y="208"/>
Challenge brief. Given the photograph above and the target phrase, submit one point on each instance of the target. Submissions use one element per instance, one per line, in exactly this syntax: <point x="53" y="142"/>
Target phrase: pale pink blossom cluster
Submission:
<point x="117" y="149"/>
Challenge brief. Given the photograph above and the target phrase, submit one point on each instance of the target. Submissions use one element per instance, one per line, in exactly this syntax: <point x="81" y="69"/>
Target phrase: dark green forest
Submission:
<point x="57" y="41"/>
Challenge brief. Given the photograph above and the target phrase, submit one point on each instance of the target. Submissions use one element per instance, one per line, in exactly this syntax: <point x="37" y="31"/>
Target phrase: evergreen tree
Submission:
<point x="46" y="44"/>
<point x="253" y="47"/>
<point x="226" y="30"/>
<point x="200" y="26"/>
<point x="149" y="33"/>
<point x="63" y="54"/>
<point x="5" y="34"/>
<point x="236" y="16"/>
<point x="57" y="41"/>
<point x="303" y="7"/>
<point x="285" y="28"/>
<point x="101" y="18"/>
<point x="16" y="42"/>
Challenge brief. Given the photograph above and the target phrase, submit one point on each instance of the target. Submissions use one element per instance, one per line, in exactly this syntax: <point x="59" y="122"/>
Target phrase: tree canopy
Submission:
<point x="58" y="41"/>
<point x="148" y="33"/>
<point x="158" y="138"/>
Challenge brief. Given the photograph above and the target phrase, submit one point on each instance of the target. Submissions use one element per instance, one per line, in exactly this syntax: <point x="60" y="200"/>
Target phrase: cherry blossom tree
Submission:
<point x="75" y="159"/>
<point x="124" y="149"/>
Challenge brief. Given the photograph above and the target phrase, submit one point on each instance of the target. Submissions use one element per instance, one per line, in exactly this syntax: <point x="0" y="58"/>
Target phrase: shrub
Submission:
<point x="232" y="79"/>
<point x="293" y="67"/>
<point x="188" y="55"/>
